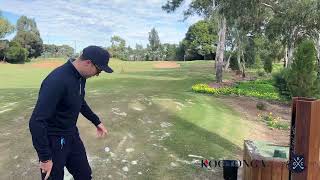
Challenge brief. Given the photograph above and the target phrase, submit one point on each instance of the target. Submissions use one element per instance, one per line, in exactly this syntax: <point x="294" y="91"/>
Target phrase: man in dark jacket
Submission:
<point x="53" y="122"/>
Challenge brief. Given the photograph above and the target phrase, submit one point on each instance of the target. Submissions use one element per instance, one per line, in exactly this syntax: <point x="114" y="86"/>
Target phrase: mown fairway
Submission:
<point x="157" y="125"/>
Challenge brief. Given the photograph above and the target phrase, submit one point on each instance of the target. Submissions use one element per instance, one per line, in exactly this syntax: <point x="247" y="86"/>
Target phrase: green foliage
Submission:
<point x="15" y="53"/>
<point x="154" y="46"/>
<point x="234" y="63"/>
<point x="249" y="52"/>
<point x="169" y="51"/>
<point x="154" y="40"/>
<point x="28" y="36"/>
<point x="267" y="52"/>
<point x="280" y="81"/>
<point x="51" y="50"/>
<point x="293" y="20"/>
<point x="267" y="65"/>
<point x="4" y="45"/>
<point x="5" y="27"/>
<point x="118" y="47"/>
<point x="200" y="38"/>
<point x="261" y="73"/>
<point x="273" y="122"/>
<point x="262" y="89"/>
<point x="302" y="76"/>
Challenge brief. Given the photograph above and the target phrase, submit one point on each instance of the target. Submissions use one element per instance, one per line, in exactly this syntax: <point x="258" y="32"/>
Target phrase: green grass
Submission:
<point x="199" y="124"/>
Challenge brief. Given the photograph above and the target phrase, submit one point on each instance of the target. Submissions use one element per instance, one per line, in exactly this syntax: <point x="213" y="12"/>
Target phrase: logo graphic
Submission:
<point x="297" y="163"/>
<point x="205" y="163"/>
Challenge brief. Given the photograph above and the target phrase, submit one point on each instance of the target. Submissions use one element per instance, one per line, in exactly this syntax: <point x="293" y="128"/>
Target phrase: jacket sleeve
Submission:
<point x="89" y="114"/>
<point x="50" y="94"/>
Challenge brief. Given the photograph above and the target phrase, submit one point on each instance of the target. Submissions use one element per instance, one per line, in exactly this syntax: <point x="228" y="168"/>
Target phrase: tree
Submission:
<point x="200" y="38"/>
<point x="302" y="78"/>
<point x="293" y="21"/>
<point x="267" y="51"/>
<point x="169" y="51"/>
<point x="154" y="46"/>
<point x="15" y="53"/>
<point x="208" y="8"/>
<point x="51" y="50"/>
<point x="5" y="27"/>
<point x="180" y="52"/>
<point x="65" y="51"/>
<point x="28" y="36"/>
<point x="4" y="45"/>
<point x="154" y="40"/>
<point x="118" y="47"/>
<point x="139" y="52"/>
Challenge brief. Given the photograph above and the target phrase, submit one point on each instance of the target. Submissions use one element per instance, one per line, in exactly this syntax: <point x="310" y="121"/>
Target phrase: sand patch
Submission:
<point x="166" y="65"/>
<point x="137" y="106"/>
<point x="48" y="64"/>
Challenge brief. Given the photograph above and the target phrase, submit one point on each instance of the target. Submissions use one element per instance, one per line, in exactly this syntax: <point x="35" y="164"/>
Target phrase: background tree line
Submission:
<point x="198" y="44"/>
<point x="27" y="42"/>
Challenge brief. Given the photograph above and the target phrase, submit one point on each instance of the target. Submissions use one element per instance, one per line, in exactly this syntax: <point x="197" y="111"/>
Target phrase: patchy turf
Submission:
<point x="166" y="64"/>
<point x="159" y="128"/>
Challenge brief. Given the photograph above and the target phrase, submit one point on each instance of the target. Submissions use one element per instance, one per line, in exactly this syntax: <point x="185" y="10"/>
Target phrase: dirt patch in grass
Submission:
<point x="47" y="64"/>
<point x="166" y="64"/>
<point x="260" y="131"/>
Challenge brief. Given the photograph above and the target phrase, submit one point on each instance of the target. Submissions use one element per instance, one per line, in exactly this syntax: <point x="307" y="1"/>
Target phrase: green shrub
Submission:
<point x="302" y="76"/>
<point x="267" y="64"/>
<point x="234" y="63"/>
<point x="261" y="73"/>
<point x="15" y="53"/>
<point x="280" y="81"/>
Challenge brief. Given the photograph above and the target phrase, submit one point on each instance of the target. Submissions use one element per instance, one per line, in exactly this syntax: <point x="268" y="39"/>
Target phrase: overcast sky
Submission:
<point x="87" y="22"/>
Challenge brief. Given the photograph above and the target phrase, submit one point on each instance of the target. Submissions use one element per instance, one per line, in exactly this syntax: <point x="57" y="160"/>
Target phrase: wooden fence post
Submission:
<point x="305" y="137"/>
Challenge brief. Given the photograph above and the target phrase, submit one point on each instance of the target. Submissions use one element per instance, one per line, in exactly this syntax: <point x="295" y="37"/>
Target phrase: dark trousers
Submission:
<point x="69" y="152"/>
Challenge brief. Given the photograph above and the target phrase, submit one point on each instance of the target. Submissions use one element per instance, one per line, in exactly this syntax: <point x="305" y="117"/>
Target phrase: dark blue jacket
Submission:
<point x="61" y="98"/>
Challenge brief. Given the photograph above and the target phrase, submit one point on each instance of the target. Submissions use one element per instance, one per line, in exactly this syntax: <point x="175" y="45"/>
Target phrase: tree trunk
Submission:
<point x="243" y="66"/>
<point x="316" y="41"/>
<point x="285" y="63"/>
<point x="226" y="66"/>
<point x="220" y="49"/>
<point x="239" y="57"/>
<point x="290" y="53"/>
<point x="291" y="42"/>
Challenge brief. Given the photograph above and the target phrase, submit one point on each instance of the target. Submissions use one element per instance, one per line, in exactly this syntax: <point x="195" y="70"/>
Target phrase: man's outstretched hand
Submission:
<point x="46" y="167"/>
<point x="101" y="130"/>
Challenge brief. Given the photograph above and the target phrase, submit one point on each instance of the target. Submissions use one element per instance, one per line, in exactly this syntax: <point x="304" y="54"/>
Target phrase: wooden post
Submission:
<point x="305" y="137"/>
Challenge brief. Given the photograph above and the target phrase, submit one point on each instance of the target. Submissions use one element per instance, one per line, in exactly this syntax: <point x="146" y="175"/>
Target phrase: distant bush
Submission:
<point x="234" y="63"/>
<point x="261" y="106"/>
<point x="15" y="53"/>
<point x="267" y="65"/>
<point x="280" y="81"/>
<point x="261" y="73"/>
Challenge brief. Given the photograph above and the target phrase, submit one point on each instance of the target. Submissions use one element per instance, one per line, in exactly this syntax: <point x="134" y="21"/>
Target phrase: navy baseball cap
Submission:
<point x="98" y="56"/>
